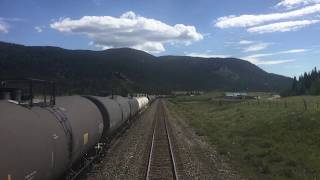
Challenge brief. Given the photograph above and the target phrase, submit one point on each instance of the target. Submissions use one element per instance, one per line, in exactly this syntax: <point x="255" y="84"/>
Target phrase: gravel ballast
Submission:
<point x="128" y="156"/>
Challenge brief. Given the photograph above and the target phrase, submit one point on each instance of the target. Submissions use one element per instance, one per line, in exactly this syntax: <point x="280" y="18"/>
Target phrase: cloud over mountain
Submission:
<point x="4" y="28"/>
<point x="129" y="30"/>
<point x="256" y="47"/>
<point x="208" y="55"/>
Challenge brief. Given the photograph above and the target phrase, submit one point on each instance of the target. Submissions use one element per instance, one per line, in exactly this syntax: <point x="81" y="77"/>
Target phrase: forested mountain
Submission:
<point x="127" y="70"/>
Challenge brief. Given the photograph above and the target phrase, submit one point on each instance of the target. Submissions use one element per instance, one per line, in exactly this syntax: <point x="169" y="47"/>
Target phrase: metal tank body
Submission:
<point x="124" y="105"/>
<point x="151" y="98"/>
<point x="43" y="142"/>
<point x="33" y="144"/>
<point x="134" y="106"/>
<point x="111" y="111"/>
<point x="143" y="101"/>
<point x="86" y="123"/>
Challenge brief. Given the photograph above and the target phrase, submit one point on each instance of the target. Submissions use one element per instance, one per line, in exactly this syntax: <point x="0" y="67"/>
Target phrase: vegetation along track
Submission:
<point x="161" y="162"/>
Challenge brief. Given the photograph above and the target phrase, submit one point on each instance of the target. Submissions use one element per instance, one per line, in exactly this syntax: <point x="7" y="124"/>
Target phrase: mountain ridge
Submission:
<point x="87" y="71"/>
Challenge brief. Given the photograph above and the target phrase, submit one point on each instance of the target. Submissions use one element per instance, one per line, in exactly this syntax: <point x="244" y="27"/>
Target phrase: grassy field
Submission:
<point x="265" y="139"/>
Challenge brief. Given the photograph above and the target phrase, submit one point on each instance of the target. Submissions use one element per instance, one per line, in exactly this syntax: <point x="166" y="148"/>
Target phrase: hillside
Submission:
<point x="84" y="71"/>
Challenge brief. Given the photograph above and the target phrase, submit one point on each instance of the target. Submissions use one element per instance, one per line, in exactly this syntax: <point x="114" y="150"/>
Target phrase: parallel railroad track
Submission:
<point x="161" y="162"/>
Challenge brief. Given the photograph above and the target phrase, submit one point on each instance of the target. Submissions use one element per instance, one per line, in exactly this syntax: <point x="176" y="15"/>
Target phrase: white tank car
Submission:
<point x="143" y="101"/>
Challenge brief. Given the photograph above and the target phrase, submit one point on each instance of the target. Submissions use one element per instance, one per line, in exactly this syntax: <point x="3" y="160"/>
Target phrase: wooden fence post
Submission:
<point x="305" y="104"/>
<point x="285" y="104"/>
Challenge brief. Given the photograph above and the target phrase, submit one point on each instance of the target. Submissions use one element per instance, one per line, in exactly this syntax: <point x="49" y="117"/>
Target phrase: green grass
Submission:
<point x="203" y="97"/>
<point x="277" y="139"/>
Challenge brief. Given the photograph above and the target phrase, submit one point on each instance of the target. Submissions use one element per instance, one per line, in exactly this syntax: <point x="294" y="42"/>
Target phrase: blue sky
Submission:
<point x="280" y="36"/>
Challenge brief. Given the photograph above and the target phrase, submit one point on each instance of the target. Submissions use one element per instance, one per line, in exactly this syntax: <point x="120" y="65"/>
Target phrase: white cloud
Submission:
<point x="239" y="43"/>
<point x="4" y="27"/>
<point x="294" y="3"/>
<point x="38" y="29"/>
<point x="249" y="46"/>
<point x="261" y="62"/>
<point x="258" y="61"/>
<point x="282" y="26"/>
<point x="291" y="51"/>
<point x="294" y="51"/>
<point x="253" y="20"/>
<point x="129" y="30"/>
<point x="255" y="58"/>
<point x="256" y="47"/>
<point x="261" y="55"/>
<point x="208" y="55"/>
<point x="245" y="42"/>
<point x="155" y="47"/>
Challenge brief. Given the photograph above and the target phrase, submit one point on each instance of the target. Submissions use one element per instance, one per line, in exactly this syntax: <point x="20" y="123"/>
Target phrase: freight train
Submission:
<point x="43" y="142"/>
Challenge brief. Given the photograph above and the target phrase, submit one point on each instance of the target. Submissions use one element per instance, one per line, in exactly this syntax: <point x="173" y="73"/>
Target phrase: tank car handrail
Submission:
<point x="30" y="83"/>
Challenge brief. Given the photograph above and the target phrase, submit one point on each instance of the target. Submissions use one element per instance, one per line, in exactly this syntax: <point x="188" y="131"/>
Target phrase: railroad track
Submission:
<point x="161" y="162"/>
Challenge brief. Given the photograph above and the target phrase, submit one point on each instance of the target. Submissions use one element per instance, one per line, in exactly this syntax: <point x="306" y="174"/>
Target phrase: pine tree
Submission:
<point x="308" y="83"/>
<point x="294" y="86"/>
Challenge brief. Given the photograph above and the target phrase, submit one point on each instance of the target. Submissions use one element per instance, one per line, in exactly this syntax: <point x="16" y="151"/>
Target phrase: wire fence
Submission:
<point x="296" y="104"/>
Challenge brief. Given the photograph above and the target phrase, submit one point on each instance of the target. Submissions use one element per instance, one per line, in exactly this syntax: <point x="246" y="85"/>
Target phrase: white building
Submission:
<point x="235" y="94"/>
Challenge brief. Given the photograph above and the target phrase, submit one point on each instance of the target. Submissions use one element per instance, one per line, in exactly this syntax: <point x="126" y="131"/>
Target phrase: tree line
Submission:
<point x="306" y="84"/>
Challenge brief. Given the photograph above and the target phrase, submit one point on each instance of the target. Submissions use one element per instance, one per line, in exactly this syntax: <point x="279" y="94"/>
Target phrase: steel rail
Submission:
<point x="160" y="115"/>
<point x="175" y="174"/>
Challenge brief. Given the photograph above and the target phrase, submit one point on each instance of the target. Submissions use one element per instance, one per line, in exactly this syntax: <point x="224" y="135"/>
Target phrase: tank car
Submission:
<point x="124" y="106"/>
<point x="34" y="146"/>
<point x="85" y="120"/>
<point x="43" y="142"/>
<point x="134" y="106"/>
<point x="111" y="112"/>
<point x="151" y="98"/>
<point x="142" y="101"/>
